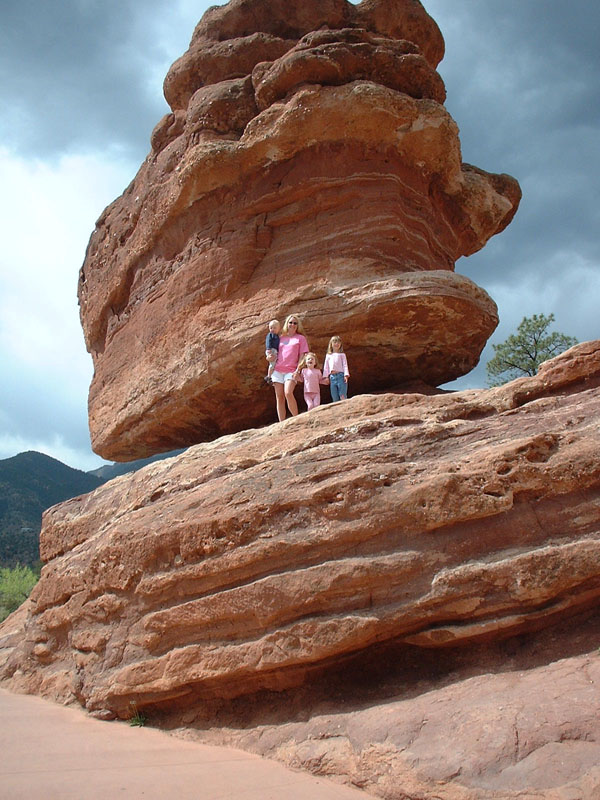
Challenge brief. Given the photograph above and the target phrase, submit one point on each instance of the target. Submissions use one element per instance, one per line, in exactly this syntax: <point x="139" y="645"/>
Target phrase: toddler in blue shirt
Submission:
<point x="272" y="347"/>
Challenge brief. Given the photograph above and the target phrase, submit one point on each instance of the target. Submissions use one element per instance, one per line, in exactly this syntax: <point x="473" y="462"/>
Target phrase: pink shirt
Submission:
<point x="291" y="350"/>
<point x="312" y="378"/>
<point x="335" y="362"/>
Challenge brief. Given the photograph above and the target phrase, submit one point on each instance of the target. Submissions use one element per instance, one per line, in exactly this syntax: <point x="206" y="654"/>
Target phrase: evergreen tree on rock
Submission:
<point x="523" y="352"/>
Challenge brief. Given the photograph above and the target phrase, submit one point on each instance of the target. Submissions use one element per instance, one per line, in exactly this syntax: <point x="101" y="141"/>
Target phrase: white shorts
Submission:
<point x="281" y="377"/>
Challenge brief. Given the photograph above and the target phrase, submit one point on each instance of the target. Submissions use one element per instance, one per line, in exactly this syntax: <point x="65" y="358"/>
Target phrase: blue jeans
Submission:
<point x="338" y="386"/>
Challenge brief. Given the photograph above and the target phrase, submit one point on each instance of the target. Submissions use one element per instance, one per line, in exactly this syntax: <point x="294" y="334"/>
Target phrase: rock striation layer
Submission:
<point x="307" y="166"/>
<point x="514" y="721"/>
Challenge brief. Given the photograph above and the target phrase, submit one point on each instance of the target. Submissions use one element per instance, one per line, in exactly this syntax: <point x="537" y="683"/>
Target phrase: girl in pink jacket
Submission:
<point x="336" y="369"/>
<point x="309" y="373"/>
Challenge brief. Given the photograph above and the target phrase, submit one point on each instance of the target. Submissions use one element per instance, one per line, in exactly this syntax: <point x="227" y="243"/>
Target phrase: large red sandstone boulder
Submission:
<point x="270" y="556"/>
<point x="519" y="734"/>
<point x="308" y="166"/>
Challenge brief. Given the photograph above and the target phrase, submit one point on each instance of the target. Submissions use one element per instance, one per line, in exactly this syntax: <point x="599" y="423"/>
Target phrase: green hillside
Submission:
<point x="30" y="483"/>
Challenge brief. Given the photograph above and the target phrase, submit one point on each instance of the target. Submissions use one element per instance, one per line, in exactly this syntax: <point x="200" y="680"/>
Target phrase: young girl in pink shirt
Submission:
<point x="336" y="369"/>
<point x="309" y="373"/>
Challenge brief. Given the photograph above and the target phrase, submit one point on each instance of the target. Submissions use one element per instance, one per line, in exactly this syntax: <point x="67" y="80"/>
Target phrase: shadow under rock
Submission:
<point x="385" y="673"/>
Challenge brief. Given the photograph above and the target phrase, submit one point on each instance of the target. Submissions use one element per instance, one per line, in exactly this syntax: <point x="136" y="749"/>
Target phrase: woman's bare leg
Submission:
<point x="289" y="396"/>
<point x="280" y="399"/>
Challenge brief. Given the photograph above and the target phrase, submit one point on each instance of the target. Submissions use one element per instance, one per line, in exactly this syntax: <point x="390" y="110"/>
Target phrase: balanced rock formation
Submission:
<point x="308" y="166"/>
<point x="254" y="562"/>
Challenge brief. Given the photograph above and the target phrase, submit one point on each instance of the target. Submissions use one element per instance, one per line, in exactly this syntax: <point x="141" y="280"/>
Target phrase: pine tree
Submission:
<point x="523" y="352"/>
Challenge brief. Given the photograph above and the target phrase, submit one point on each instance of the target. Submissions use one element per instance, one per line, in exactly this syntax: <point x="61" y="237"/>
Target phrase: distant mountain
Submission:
<point x="30" y="483"/>
<point x="110" y="471"/>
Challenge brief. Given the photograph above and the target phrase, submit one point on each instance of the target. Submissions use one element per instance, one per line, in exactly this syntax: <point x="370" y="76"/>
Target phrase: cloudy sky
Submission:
<point x="81" y="90"/>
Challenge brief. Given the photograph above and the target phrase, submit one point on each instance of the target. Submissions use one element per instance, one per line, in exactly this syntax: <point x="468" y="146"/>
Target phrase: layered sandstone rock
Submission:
<point x="251" y="562"/>
<point x="308" y="166"/>
<point x="498" y="723"/>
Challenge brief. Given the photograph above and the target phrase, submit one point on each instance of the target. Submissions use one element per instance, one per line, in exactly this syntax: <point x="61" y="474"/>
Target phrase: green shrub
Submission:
<point x="136" y="718"/>
<point x="16" y="584"/>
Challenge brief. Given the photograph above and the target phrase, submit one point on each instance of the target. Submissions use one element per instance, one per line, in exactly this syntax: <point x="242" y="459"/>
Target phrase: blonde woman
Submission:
<point x="292" y="346"/>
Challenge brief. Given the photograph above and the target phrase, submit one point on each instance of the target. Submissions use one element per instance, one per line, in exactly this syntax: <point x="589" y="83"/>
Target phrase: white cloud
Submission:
<point x="47" y="213"/>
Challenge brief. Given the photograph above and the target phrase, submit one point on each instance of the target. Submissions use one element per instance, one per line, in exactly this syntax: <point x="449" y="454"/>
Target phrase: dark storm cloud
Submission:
<point x="76" y="74"/>
<point x="523" y="85"/>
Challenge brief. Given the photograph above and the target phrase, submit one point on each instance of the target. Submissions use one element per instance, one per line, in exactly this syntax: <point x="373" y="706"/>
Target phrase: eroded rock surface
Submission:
<point x="270" y="557"/>
<point x="308" y="166"/>
<point x="496" y="724"/>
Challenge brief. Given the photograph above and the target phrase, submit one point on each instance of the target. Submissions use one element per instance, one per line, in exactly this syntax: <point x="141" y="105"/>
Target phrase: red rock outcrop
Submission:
<point x="268" y="556"/>
<point x="504" y="730"/>
<point x="307" y="166"/>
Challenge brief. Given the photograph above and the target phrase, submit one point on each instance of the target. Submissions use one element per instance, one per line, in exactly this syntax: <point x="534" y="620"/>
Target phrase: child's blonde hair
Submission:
<point x="274" y="322"/>
<point x="330" y="345"/>
<point x="304" y="359"/>
<point x="299" y="328"/>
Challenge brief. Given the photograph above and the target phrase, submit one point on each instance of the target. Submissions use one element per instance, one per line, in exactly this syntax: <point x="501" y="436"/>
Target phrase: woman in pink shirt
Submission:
<point x="309" y="373"/>
<point x="292" y="346"/>
<point x="336" y="369"/>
